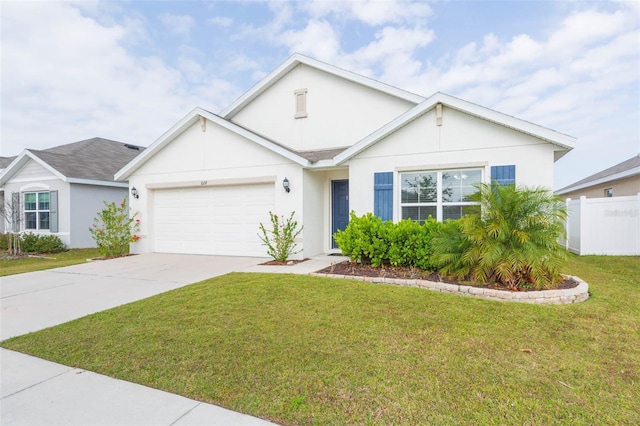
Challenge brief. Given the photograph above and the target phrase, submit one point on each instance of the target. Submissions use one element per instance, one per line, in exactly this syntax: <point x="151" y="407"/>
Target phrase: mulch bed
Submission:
<point x="285" y="263"/>
<point x="363" y="270"/>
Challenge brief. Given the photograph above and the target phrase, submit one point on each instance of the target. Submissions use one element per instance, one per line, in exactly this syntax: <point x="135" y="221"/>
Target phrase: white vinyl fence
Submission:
<point x="603" y="225"/>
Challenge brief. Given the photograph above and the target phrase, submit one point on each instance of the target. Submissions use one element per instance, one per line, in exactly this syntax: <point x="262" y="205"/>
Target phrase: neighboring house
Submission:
<point x="4" y="162"/>
<point x="620" y="180"/>
<point x="60" y="190"/>
<point x="321" y="141"/>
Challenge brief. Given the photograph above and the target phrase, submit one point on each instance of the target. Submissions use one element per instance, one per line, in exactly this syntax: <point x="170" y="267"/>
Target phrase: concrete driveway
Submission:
<point x="35" y="391"/>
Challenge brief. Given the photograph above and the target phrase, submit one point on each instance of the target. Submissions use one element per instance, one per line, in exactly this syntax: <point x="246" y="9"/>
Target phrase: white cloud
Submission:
<point x="65" y="77"/>
<point x="74" y="70"/>
<point x="370" y="12"/>
<point x="191" y="69"/>
<point x="318" y="39"/>
<point x="178" y="24"/>
<point x="222" y="21"/>
<point x="241" y="62"/>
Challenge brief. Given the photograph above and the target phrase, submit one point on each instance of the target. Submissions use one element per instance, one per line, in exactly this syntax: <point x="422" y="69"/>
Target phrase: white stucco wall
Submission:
<point x="463" y="141"/>
<point x="33" y="177"/>
<point x="214" y="157"/>
<point x="317" y="209"/>
<point x="86" y="201"/>
<point x="340" y="112"/>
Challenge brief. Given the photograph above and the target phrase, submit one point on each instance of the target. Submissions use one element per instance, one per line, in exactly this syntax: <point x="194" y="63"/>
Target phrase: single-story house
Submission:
<point x="60" y="190"/>
<point x="620" y="180"/>
<point x="321" y="141"/>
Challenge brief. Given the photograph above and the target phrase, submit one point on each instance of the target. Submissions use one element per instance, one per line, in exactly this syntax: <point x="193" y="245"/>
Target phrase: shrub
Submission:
<point x="511" y="237"/>
<point x="280" y="240"/>
<point x="368" y="240"/>
<point x="410" y="243"/>
<point x="4" y="241"/>
<point x="36" y="243"/>
<point x="364" y="240"/>
<point x="113" y="229"/>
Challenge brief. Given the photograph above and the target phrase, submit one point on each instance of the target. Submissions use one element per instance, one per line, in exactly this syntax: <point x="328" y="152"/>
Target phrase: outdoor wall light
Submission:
<point x="134" y="193"/>
<point x="285" y="185"/>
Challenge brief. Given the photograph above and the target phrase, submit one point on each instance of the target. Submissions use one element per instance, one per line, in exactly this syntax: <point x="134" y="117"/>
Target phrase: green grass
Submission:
<point x="56" y="260"/>
<point x="305" y="350"/>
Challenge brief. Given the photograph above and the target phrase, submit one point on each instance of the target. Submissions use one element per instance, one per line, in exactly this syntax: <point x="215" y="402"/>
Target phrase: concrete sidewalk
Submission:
<point x="35" y="391"/>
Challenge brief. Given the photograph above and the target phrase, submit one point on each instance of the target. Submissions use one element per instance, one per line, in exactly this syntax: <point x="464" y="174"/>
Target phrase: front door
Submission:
<point x="339" y="207"/>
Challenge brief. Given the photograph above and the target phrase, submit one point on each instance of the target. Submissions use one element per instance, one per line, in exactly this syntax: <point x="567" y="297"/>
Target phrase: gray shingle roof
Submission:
<point x="92" y="159"/>
<point x="313" y="156"/>
<point x="324" y="154"/>
<point x="629" y="164"/>
<point x="5" y="161"/>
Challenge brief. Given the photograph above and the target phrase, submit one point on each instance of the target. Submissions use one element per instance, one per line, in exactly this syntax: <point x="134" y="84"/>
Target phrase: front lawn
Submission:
<point x="46" y="261"/>
<point x="308" y="350"/>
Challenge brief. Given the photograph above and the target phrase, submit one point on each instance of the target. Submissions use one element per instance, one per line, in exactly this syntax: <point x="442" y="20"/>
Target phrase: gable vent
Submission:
<point x="301" y="103"/>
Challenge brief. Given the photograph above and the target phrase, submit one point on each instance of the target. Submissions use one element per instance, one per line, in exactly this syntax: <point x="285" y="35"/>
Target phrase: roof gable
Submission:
<point x="627" y="168"/>
<point x="563" y="142"/>
<point x="297" y="59"/>
<point x="88" y="161"/>
<point x="186" y="122"/>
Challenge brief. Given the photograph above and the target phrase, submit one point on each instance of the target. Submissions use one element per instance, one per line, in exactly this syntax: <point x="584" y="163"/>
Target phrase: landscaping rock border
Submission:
<point x="580" y="293"/>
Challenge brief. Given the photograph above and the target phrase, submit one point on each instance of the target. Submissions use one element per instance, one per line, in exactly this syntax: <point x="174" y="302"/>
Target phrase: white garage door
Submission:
<point x="219" y="220"/>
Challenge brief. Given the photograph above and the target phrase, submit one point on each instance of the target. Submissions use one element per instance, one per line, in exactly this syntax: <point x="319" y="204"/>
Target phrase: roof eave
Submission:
<point x="254" y="138"/>
<point x="98" y="182"/>
<point x="22" y="159"/>
<point x="621" y="175"/>
<point x="296" y="59"/>
<point x="186" y="121"/>
<point x="561" y="141"/>
<point x="189" y="120"/>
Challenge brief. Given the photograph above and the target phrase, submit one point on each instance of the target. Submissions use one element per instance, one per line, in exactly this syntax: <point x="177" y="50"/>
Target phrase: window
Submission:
<point x="301" y="103"/>
<point x="440" y="194"/>
<point x="36" y="210"/>
<point x="608" y="192"/>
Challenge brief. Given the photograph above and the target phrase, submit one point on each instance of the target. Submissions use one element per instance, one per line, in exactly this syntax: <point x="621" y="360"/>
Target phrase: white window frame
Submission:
<point x="439" y="203"/>
<point x="37" y="210"/>
<point x="608" y="192"/>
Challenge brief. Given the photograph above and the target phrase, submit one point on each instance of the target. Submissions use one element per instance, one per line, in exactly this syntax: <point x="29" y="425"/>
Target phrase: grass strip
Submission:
<point x="46" y="261"/>
<point x="307" y="350"/>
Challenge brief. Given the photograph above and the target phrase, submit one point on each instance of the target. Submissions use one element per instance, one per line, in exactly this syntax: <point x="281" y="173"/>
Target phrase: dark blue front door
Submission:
<point x="339" y="207"/>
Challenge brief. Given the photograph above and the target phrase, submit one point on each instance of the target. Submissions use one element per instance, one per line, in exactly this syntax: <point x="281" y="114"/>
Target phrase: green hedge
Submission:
<point x="369" y="240"/>
<point x="35" y="243"/>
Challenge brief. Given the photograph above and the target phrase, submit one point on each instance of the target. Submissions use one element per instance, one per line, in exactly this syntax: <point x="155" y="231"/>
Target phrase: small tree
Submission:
<point x="280" y="240"/>
<point x="113" y="229"/>
<point x="510" y="237"/>
<point x="11" y="213"/>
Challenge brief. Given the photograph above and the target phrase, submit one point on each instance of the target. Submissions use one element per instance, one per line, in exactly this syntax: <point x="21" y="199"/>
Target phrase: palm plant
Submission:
<point x="510" y="236"/>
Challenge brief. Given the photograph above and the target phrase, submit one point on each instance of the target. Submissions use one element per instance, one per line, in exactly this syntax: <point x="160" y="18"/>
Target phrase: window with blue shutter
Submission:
<point x="383" y="195"/>
<point x="504" y="175"/>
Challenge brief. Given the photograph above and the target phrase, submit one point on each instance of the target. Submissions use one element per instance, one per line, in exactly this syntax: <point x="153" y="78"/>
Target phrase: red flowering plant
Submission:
<point x="113" y="229"/>
<point x="280" y="240"/>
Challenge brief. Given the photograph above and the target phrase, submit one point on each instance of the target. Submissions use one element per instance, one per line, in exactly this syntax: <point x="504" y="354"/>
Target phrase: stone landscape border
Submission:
<point x="580" y="293"/>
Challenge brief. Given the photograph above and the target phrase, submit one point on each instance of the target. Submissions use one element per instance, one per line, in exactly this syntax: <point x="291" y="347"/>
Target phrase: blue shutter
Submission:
<point x="383" y="195"/>
<point x="53" y="211"/>
<point x="504" y="175"/>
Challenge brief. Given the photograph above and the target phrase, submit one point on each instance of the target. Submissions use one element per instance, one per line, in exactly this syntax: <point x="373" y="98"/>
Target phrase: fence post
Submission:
<point x="567" y="225"/>
<point x="583" y="201"/>
<point x="638" y="214"/>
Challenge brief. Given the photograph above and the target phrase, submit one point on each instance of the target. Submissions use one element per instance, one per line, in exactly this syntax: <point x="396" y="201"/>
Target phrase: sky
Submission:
<point x="129" y="70"/>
